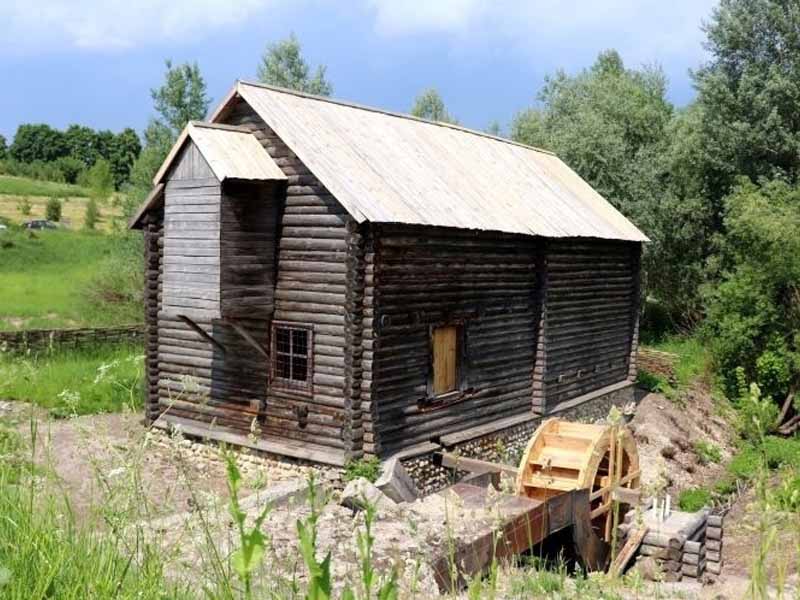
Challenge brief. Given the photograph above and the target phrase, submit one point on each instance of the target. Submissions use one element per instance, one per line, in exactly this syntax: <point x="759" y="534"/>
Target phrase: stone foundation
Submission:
<point x="507" y="445"/>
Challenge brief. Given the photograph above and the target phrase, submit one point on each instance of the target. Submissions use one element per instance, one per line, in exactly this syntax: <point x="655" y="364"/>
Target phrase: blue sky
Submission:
<point x="94" y="61"/>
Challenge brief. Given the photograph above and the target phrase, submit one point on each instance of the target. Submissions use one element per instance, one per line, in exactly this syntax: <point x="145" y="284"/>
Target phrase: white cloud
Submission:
<point x="643" y="30"/>
<point x="101" y="24"/>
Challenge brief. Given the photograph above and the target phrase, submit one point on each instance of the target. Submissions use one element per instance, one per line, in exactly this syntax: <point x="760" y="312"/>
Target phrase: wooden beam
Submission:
<point x="247" y="337"/>
<point x="202" y="333"/>
<point x="623" y="558"/>
<point x="473" y="465"/>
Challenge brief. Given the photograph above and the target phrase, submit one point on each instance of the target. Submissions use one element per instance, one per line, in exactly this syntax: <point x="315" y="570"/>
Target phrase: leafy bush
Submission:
<point x="92" y="214"/>
<point x="753" y="314"/>
<point x="650" y="381"/>
<point x="693" y="499"/>
<point x="787" y="495"/>
<point x="71" y="168"/>
<point x="24" y="206"/>
<point x="757" y="416"/>
<point x="53" y="209"/>
<point x="368" y="468"/>
<point x="101" y="180"/>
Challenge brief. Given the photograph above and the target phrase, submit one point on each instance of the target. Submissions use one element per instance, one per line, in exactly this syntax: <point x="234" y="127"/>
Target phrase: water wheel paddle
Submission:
<point x="563" y="456"/>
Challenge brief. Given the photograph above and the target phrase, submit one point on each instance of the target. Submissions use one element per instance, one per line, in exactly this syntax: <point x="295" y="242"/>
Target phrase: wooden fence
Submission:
<point x="39" y="340"/>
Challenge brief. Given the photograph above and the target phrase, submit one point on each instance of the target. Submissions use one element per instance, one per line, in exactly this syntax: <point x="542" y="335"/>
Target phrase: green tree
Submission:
<point x="3" y="147"/>
<point x="753" y="319"/>
<point x="283" y="65"/>
<point x="747" y="97"/>
<point x="124" y="148"/>
<point x="101" y="180"/>
<point x="614" y="126"/>
<point x="81" y="142"/>
<point x="34" y="142"/>
<point x="53" y="209"/>
<point x="494" y="128"/>
<point x="182" y="97"/>
<point x="71" y="168"/>
<point x="429" y="105"/>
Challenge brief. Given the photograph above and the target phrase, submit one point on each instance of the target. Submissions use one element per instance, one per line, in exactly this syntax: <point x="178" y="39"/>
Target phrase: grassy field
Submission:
<point x="49" y="280"/>
<point x="21" y="186"/>
<point x="88" y="381"/>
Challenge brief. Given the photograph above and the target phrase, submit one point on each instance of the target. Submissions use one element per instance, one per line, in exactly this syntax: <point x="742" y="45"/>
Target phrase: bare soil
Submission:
<point x="96" y="456"/>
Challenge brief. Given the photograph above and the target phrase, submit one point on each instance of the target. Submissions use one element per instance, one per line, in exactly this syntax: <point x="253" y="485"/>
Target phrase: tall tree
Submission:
<point x="82" y="143"/>
<point x="182" y="97"/>
<point x="38" y="142"/>
<point x="613" y="125"/>
<point x="429" y="105"/>
<point x="283" y="65"/>
<point x="747" y="96"/>
<point x="124" y="148"/>
<point x="3" y="147"/>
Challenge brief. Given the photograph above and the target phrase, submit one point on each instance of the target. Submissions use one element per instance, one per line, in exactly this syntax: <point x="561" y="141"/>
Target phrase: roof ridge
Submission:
<point x="390" y="113"/>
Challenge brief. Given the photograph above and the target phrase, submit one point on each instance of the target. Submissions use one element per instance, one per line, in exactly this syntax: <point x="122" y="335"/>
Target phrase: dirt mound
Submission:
<point x="675" y="438"/>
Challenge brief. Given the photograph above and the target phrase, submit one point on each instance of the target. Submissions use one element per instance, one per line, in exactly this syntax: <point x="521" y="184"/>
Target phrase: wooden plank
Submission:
<point x="626" y="553"/>
<point x="444" y="359"/>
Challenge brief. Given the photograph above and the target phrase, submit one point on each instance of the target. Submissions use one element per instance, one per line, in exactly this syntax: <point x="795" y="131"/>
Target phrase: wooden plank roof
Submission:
<point x="390" y="168"/>
<point x="231" y="152"/>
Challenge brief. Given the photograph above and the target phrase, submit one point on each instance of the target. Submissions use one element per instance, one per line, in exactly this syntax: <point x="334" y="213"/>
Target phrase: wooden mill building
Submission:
<point x="326" y="280"/>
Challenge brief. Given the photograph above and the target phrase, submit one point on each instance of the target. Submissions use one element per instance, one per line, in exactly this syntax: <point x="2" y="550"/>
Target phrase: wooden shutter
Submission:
<point x="445" y="359"/>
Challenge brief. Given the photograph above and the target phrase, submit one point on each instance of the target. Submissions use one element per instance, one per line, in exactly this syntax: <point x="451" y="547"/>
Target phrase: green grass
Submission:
<point x="368" y="468"/>
<point x="78" y="382"/>
<point x="707" y="452"/>
<point x="22" y="186"/>
<point x="47" y="281"/>
<point x="693" y="499"/>
<point x="692" y="356"/>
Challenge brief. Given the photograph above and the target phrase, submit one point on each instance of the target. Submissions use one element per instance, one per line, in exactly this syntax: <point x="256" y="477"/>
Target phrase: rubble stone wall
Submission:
<point x="507" y="445"/>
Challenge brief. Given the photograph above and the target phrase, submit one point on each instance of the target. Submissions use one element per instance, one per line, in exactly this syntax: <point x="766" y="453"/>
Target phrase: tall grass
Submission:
<point x="45" y="553"/>
<point x="69" y="279"/>
<point x="103" y="378"/>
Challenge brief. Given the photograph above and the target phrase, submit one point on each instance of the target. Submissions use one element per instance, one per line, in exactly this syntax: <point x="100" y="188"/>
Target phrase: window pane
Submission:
<point x="282" y="339"/>
<point x="283" y="366"/>
<point x="299" y="341"/>
<point x="299" y="368"/>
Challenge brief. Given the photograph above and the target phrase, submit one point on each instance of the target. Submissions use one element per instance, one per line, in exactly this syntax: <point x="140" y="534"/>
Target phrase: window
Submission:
<point x="292" y="352"/>
<point x="445" y="357"/>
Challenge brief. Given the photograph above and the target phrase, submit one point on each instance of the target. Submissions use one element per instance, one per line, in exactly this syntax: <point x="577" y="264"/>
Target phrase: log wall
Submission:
<point x="153" y="265"/>
<point x="249" y="229"/>
<point x="423" y="277"/>
<point x="316" y="285"/>
<point x="590" y="317"/>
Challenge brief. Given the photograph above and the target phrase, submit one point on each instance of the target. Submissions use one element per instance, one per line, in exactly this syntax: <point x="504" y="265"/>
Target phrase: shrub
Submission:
<point x="693" y="499"/>
<point x="757" y="416"/>
<point x="24" y="206"/>
<point x="71" y="168"/>
<point x="368" y="468"/>
<point x="92" y="214"/>
<point x="752" y="317"/>
<point x="101" y="180"/>
<point x="53" y="209"/>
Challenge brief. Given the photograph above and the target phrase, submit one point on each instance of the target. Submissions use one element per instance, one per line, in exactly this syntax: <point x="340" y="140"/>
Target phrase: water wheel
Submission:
<point x="563" y="456"/>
